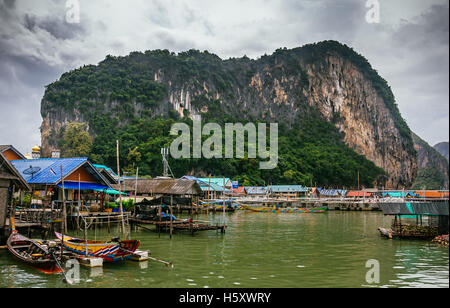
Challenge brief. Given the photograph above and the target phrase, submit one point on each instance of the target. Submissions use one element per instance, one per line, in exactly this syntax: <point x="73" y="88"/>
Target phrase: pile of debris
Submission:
<point x="441" y="239"/>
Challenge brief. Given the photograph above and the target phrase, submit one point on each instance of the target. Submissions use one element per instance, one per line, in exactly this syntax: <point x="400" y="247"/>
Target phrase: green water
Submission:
<point x="262" y="250"/>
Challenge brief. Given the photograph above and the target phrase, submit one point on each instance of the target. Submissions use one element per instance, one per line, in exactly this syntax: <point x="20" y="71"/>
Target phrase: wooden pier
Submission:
<point x="30" y="220"/>
<point x="191" y="226"/>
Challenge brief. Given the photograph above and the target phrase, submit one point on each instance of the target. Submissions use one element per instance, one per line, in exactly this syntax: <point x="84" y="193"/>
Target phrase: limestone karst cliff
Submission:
<point x="287" y="87"/>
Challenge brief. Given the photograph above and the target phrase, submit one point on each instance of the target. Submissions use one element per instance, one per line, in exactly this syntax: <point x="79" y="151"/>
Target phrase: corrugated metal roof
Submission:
<point x="256" y="190"/>
<point x="400" y="194"/>
<point x="287" y="188"/>
<point x="109" y="170"/>
<point x="50" y="169"/>
<point x="161" y="186"/>
<point x="415" y="208"/>
<point x="333" y="192"/>
<point x="432" y="194"/>
<point x="205" y="185"/>
<point x="359" y="194"/>
<point x="217" y="181"/>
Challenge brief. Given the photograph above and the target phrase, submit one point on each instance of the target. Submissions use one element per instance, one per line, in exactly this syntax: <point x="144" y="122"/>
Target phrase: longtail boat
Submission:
<point x="109" y="251"/>
<point x="31" y="252"/>
<point x="268" y="209"/>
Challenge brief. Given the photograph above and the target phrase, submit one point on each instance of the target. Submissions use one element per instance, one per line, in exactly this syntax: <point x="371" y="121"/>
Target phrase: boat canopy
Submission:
<point x="415" y="208"/>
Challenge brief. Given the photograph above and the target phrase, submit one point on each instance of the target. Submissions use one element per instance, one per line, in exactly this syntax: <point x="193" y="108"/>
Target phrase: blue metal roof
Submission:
<point x="216" y="181"/>
<point x="400" y="194"/>
<point x="106" y="168"/>
<point x="50" y="169"/>
<point x="204" y="185"/>
<point x="333" y="192"/>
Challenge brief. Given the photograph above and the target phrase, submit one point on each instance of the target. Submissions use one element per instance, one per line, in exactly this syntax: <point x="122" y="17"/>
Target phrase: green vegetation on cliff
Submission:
<point x="311" y="152"/>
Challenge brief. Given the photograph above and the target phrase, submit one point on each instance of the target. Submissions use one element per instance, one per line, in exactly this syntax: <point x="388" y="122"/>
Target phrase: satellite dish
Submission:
<point x="32" y="170"/>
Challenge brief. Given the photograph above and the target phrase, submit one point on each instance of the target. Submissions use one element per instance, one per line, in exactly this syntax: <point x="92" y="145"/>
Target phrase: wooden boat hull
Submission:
<point x="35" y="255"/>
<point x="108" y="251"/>
<point x="284" y="210"/>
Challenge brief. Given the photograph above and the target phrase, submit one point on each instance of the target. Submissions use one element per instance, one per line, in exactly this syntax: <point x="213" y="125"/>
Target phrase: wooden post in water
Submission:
<point x="207" y="204"/>
<point x="79" y="202"/>
<point x="358" y="179"/>
<point x="64" y="221"/>
<point x="85" y="236"/>
<point x="120" y="190"/>
<point x="12" y="213"/>
<point x="135" y="190"/>
<point x="224" y="204"/>
<point x="160" y="213"/>
<point x="171" y="223"/>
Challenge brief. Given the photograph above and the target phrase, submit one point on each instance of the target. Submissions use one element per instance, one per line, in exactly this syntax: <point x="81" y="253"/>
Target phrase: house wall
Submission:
<point x="85" y="176"/>
<point x="3" y="202"/>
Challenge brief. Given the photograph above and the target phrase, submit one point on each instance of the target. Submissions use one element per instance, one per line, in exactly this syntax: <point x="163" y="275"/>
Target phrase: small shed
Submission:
<point x="416" y="219"/>
<point x="359" y="194"/>
<point x="256" y="190"/>
<point x="224" y="182"/>
<point x="289" y="191"/>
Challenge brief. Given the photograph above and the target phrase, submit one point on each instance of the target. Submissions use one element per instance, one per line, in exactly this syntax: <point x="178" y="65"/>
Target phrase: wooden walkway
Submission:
<point x="24" y="224"/>
<point x="179" y="225"/>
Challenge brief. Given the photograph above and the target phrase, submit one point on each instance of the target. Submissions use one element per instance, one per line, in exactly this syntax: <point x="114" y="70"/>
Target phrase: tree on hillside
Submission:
<point x="76" y="141"/>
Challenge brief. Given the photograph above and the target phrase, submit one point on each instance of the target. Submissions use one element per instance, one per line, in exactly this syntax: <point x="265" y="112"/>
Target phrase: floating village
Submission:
<point x="52" y="208"/>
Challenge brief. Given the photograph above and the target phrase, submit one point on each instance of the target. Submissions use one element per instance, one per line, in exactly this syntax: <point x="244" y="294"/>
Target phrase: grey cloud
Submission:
<point x="36" y="48"/>
<point x="57" y="27"/>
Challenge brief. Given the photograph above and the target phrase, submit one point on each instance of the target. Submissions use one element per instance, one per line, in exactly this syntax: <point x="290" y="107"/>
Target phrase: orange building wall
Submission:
<point x="11" y="155"/>
<point x="85" y="176"/>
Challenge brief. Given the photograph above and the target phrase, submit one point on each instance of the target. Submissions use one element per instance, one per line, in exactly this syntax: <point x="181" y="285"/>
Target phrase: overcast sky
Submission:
<point x="409" y="47"/>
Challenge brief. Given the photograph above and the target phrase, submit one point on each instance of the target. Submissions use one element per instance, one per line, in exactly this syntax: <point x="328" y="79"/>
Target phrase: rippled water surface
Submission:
<point x="264" y="250"/>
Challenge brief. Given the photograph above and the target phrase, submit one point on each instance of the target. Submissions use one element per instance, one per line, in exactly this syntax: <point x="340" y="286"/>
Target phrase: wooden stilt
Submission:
<point x="171" y="220"/>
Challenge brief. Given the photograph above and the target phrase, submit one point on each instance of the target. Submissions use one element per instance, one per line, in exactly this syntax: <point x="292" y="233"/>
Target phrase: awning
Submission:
<point x="82" y="186"/>
<point x="418" y="208"/>
<point x="110" y="191"/>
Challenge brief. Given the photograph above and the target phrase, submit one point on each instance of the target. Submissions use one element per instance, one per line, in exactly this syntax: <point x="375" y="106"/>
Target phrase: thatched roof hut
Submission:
<point x="160" y="187"/>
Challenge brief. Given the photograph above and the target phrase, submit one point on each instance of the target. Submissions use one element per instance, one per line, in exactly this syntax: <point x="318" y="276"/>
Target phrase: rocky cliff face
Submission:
<point x="443" y="149"/>
<point x="433" y="169"/>
<point x="339" y="88"/>
<point x="284" y="87"/>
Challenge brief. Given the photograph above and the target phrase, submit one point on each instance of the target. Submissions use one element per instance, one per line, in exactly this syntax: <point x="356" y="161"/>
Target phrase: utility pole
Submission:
<point x="165" y="153"/>
<point x="120" y="188"/>
<point x="358" y="179"/>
